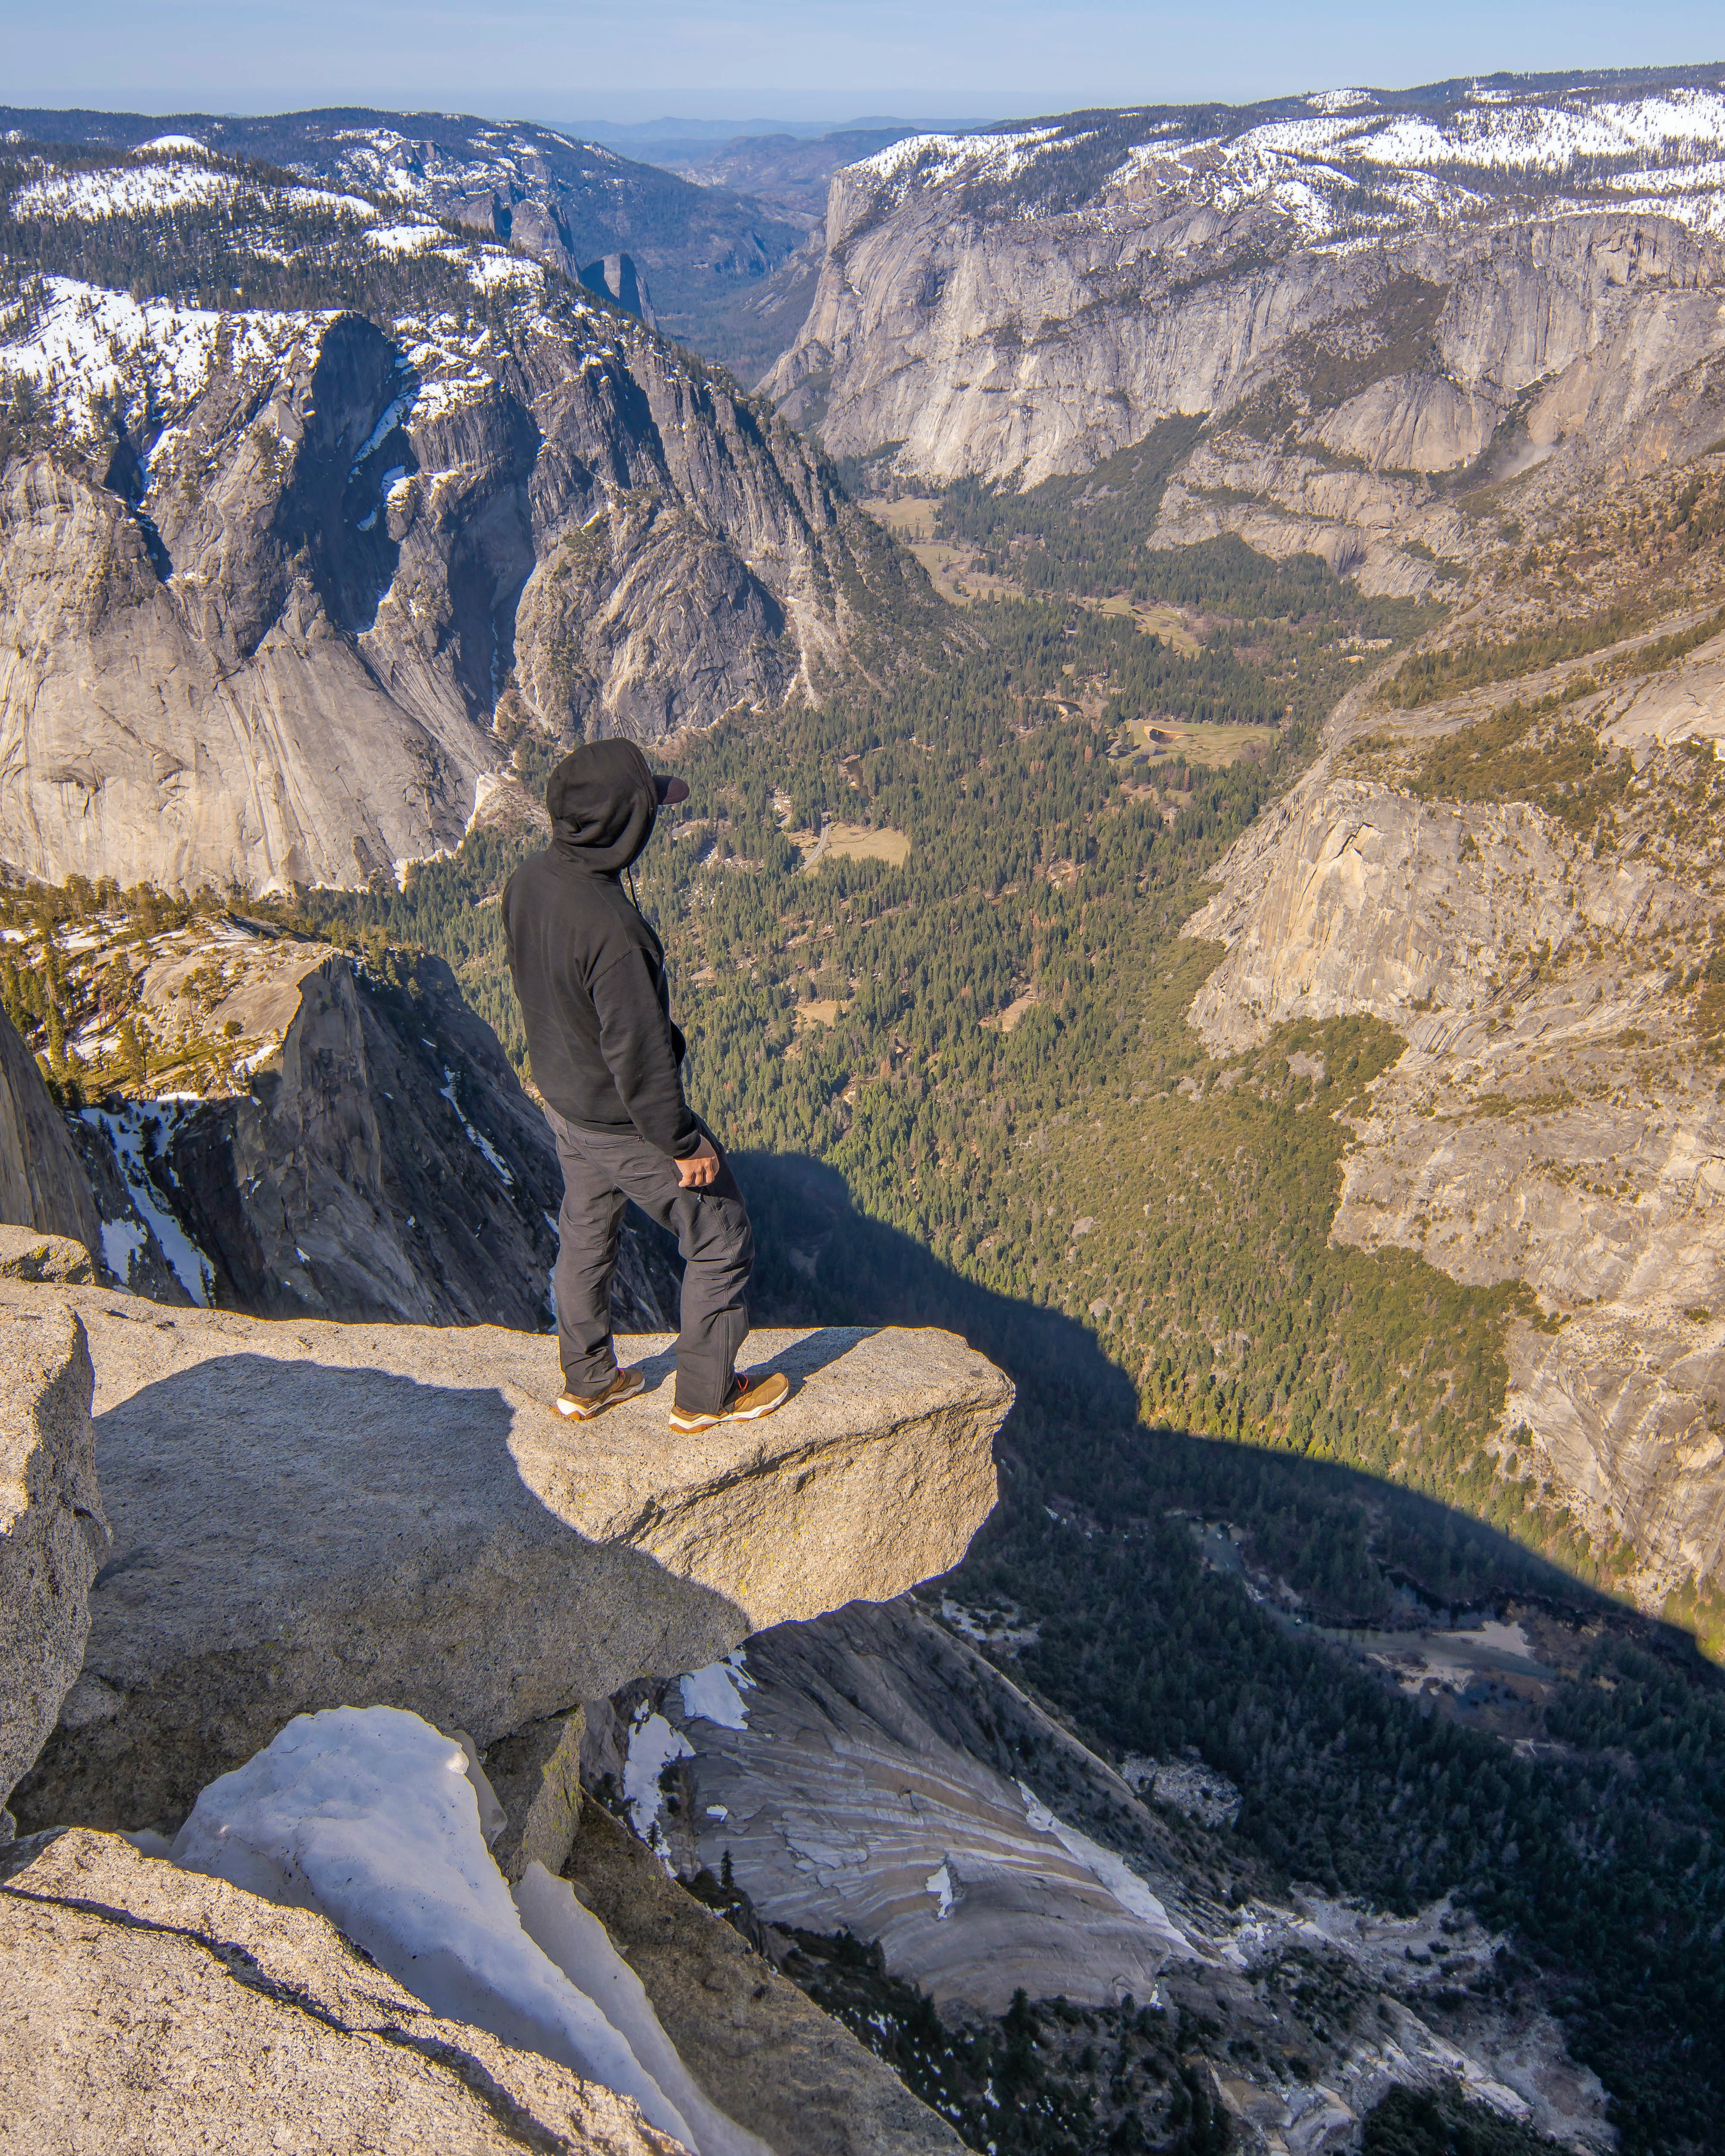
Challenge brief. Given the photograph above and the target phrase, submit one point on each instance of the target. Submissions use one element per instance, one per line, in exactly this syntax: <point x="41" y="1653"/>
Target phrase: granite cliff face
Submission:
<point x="53" y="1533"/>
<point x="383" y="1163"/>
<point x="277" y="601"/>
<point x="321" y="1136"/>
<point x="1554" y="1119"/>
<point x="1363" y="291"/>
<point x="42" y="1184"/>
<point x="1041" y="347"/>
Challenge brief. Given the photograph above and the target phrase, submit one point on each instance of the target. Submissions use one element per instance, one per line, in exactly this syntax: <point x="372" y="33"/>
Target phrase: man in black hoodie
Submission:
<point x="589" y="973"/>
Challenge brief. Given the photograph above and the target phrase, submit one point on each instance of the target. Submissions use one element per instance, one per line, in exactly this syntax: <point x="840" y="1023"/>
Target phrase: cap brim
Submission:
<point x="670" y="790"/>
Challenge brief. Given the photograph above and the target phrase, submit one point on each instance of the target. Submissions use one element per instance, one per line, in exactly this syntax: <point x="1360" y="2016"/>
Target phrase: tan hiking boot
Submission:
<point x="583" y="1407"/>
<point x="750" y="1398"/>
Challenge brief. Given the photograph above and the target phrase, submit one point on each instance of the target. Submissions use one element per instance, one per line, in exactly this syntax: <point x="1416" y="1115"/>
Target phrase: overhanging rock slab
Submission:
<point x="310" y="1514"/>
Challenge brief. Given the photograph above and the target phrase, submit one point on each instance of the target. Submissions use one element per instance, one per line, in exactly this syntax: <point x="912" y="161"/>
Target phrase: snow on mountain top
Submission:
<point x="415" y="239"/>
<point x="1232" y="176"/>
<point x="1702" y="210"/>
<point x="183" y="142"/>
<point x="489" y="267"/>
<point x="1532" y="137"/>
<point x="411" y="171"/>
<point x="378" y="158"/>
<point x="1526" y="136"/>
<point x="89" y="341"/>
<point x="450" y="361"/>
<point x="123" y="191"/>
<point x="136" y="190"/>
<point x="937" y="158"/>
<point x="1312" y="169"/>
<point x="495" y="265"/>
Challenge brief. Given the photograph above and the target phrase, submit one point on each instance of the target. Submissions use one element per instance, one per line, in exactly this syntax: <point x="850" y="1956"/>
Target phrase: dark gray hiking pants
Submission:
<point x="602" y="1169"/>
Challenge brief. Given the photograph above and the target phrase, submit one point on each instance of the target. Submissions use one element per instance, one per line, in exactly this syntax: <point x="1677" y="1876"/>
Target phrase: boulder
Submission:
<point x="42" y="1183"/>
<point x="51" y="1526"/>
<point x="312" y="1514"/>
<point x="149" y="2007"/>
<point x="27" y="1255"/>
<point x="535" y="1775"/>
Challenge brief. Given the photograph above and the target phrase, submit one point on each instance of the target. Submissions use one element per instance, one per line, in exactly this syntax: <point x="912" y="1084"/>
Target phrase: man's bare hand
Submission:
<point x="700" y="1167"/>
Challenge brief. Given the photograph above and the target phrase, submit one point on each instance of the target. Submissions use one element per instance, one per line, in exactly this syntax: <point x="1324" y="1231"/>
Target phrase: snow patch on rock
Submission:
<point x="715" y="1694"/>
<point x="653" y="1745"/>
<point x="367" y="1815"/>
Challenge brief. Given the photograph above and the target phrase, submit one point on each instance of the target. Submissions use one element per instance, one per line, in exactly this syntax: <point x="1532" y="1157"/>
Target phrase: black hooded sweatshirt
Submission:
<point x="589" y="972"/>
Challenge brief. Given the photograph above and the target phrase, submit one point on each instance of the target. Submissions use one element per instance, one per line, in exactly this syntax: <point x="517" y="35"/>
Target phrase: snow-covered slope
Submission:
<point x="565" y="203"/>
<point x="1314" y="161"/>
<point x="160" y="180"/>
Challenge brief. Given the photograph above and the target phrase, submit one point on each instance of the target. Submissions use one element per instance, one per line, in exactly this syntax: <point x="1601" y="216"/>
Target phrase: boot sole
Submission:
<point x="592" y="1414"/>
<point x="742" y="1414"/>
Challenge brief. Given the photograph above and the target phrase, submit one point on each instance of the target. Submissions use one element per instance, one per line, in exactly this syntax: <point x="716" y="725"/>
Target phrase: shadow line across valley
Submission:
<point x="1076" y="1431"/>
<point x="1577" y="1806"/>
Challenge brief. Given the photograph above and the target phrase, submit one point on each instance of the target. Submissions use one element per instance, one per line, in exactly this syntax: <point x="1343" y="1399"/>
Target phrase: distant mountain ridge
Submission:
<point x="788" y="172"/>
<point x="566" y="203"/>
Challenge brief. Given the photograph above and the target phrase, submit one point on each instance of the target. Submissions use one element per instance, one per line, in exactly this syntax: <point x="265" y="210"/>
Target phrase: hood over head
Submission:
<point x="603" y="798"/>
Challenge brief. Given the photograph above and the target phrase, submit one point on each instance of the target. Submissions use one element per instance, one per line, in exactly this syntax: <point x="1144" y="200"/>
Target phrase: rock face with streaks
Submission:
<point x="141" y="1998"/>
<point x="280" y="696"/>
<point x="1009" y="305"/>
<point x="785" y="2070"/>
<point x="856" y="1792"/>
<point x="41" y="1184"/>
<point x="52" y="1530"/>
<point x="273" y="611"/>
<point x="1555" y="1118"/>
<point x="403" y="1522"/>
<point x="995" y="347"/>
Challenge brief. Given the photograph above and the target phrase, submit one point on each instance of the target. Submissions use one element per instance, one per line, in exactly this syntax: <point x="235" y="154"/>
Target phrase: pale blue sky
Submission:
<point x="792" y="59"/>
